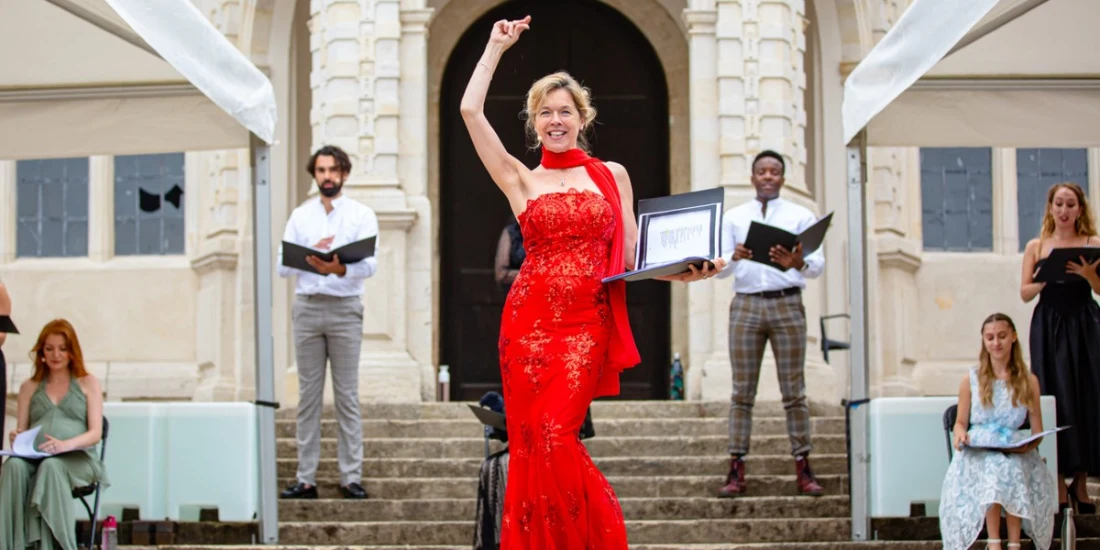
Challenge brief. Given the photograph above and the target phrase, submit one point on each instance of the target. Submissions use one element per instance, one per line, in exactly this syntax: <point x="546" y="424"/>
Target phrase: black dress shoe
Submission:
<point x="353" y="490"/>
<point x="299" y="490"/>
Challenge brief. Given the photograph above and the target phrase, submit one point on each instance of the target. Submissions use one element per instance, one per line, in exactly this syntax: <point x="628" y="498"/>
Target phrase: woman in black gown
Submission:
<point x="1065" y="338"/>
<point x="5" y="310"/>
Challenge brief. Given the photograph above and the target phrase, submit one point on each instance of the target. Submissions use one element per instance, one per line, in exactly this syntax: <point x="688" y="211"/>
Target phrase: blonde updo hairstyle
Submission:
<point x="536" y="96"/>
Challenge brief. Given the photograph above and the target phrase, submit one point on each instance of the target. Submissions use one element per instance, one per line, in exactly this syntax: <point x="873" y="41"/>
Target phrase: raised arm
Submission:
<point x="503" y="167"/>
<point x="1029" y="289"/>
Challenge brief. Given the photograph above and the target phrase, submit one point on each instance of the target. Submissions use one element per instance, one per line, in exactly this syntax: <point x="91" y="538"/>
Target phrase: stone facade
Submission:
<point x="743" y="75"/>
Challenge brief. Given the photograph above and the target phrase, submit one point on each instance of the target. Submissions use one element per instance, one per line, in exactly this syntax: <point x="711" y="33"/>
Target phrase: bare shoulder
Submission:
<point x="1032" y="247"/>
<point x="619" y="171"/>
<point x="1034" y="380"/>
<point x="1093" y="241"/>
<point x="28" y="386"/>
<point x="89" y="384"/>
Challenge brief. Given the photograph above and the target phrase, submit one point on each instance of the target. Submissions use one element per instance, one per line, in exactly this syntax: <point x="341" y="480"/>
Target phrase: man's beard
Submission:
<point x="332" y="191"/>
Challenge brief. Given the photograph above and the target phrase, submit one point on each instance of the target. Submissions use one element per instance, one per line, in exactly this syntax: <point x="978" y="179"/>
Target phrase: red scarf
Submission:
<point x="622" y="353"/>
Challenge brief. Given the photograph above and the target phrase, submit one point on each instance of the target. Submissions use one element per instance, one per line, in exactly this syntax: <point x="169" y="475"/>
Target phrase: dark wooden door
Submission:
<point x="609" y="55"/>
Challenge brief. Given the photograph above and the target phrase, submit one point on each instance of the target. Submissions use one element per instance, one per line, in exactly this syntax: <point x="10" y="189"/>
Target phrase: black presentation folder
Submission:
<point x="762" y="237"/>
<point x="1053" y="269"/>
<point x="295" y="255"/>
<point x="707" y="201"/>
<point x="7" y="325"/>
<point x="488" y="417"/>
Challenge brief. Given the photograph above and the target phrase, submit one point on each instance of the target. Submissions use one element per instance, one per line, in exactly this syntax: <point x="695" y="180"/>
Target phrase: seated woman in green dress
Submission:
<point x="36" y="502"/>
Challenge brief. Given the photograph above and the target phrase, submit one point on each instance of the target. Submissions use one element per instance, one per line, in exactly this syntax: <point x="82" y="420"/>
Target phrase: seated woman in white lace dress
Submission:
<point x="994" y="399"/>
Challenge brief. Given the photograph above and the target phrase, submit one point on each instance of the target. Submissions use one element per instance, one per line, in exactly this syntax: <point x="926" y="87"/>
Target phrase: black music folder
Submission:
<point x="1053" y="269"/>
<point x="7" y="325"/>
<point x="294" y="255"/>
<point x="762" y="237"/>
<point x="488" y="417"/>
<point x="675" y="232"/>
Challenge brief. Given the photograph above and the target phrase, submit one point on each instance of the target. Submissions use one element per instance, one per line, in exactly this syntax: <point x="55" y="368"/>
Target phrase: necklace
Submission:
<point x="562" y="182"/>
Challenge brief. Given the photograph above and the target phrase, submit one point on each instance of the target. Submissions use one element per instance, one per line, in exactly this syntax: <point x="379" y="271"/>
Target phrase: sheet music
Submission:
<point x="23" y="446"/>
<point x="673" y="237"/>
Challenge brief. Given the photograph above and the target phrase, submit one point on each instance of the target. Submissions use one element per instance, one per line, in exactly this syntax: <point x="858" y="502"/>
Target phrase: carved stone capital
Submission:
<point x="397" y="219"/>
<point x="214" y="255"/>
<point x="899" y="253"/>
<point x="701" y="21"/>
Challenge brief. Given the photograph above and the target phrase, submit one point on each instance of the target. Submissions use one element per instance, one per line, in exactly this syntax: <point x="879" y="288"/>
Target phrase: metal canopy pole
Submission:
<point x="265" y="346"/>
<point x="858" y="451"/>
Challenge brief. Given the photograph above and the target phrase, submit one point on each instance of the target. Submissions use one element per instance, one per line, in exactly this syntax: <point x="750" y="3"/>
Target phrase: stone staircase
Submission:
<point x="664" y="459"/>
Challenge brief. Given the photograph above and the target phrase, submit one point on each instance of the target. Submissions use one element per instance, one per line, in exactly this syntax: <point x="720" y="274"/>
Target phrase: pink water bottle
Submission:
<point x="110" y="534"/>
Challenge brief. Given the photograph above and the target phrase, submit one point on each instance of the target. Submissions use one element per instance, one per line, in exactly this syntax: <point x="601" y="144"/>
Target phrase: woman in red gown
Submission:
<point x="564" y="334"/>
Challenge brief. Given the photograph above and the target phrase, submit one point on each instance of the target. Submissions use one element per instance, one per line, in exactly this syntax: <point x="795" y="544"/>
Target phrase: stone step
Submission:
<point x="471" y="447"/>
<point x="1082" y="544"/>
<point x="612" y="466"/>
<point x="602" y="409"/>
<point x="625" y="487"/>
<point x="609" y="427"/>
<point x="638" y="532"/>
<point x="832" y="506"/>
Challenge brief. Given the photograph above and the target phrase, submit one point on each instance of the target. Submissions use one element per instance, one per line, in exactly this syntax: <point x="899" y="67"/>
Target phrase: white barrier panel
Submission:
<point x="171" y="459"/>
<point x="909" y="452"/>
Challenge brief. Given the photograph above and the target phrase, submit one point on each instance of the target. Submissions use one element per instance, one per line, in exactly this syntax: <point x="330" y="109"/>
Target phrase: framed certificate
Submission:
<point x="675" y="232"/>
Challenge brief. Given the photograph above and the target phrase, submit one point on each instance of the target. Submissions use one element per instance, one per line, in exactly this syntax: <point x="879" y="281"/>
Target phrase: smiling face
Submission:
<point x="998" y="338"/>
<point x="557" y="122"/>
<point x="558" y="112"/>
<point x="767" y="177"/>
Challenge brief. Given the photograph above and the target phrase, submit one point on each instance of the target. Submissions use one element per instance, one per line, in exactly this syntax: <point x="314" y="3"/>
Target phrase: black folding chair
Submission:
<point x="950" y="415"/>
<point x="83" y="493"/>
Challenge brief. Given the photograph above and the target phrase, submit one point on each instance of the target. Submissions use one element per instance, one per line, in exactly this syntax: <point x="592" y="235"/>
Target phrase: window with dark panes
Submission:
<point x="1036" y="171"/>
<point x="51" y="208"/>
<point x="957" y="198"/>
<point x="149" y="204"/>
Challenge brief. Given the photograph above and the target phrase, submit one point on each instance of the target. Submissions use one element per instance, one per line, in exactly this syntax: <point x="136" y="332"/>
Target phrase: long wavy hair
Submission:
<point x="1084" y="225"/>
<point x="1019" y="380"/>
<point x="64" y="329"/>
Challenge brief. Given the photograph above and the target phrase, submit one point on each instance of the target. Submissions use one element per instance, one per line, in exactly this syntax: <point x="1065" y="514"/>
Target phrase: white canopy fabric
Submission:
<point x="1035" y="82"/>
<point x="921" y="37"/>
<point x="91" y="98"/>
<point x="177" y="30"/>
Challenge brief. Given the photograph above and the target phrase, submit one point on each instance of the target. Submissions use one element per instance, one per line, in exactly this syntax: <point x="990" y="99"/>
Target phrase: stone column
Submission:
<point x="214" y="245"/>
<point x="760" y="81"/>
<point x="8" y="211"/>
<point x="363" y="54"/>
<point x="700" y="19"/>
<point x="101" y="208"/>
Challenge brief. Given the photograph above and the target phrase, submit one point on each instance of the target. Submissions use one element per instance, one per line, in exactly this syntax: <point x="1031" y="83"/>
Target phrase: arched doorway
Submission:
<point x="607" y="53"/>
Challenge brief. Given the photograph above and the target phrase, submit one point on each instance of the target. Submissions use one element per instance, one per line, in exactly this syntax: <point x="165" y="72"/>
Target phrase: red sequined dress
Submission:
<point x="554" y="339"/>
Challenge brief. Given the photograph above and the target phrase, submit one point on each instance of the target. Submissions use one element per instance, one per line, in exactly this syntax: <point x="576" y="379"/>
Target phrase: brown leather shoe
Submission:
<point x="807" y="482"/>
<point x="735" y="480"/>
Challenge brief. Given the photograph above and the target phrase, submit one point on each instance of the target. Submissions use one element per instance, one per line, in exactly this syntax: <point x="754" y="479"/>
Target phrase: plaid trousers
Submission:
<point x="754" y="321"/>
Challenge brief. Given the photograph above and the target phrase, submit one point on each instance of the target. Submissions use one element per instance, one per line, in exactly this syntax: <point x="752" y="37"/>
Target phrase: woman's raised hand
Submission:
<point x="507" y="32"/>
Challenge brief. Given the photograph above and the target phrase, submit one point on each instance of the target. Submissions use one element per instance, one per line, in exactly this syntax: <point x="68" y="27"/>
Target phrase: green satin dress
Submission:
<point x="36" y="501"/>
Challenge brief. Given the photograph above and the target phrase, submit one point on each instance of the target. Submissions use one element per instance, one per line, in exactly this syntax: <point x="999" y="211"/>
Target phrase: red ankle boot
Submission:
<point x="735" y="480"/>
<point x="807" y="482"/>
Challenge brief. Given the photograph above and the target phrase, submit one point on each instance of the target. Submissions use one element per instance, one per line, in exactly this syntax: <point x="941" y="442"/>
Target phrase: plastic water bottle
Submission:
<point x="676" y="379"/>
<point x="444" y="383"/>
<point x="110" y="534"/>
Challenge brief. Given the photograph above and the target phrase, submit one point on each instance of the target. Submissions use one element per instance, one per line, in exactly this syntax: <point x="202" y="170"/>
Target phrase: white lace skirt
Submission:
<point x="1021" y="483"/>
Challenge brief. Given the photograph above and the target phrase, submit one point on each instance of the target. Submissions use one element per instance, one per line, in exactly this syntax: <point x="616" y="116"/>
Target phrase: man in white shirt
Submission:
<point x="327" y="317"/>
<point x="768" y="307"/>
